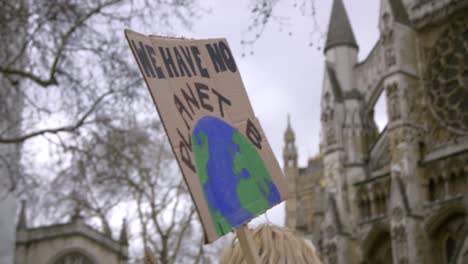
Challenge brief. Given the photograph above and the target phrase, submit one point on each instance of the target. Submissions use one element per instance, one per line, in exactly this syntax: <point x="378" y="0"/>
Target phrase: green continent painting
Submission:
<point x="235" y="181"/>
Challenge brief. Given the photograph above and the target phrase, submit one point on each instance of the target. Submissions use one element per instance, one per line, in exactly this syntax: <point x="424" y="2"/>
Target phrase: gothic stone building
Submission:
<point x="399" y="195"/>
<point x="73" y="242"/>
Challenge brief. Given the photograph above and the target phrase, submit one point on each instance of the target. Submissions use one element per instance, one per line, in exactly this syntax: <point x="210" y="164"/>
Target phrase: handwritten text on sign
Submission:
<point x="185" y="61"/>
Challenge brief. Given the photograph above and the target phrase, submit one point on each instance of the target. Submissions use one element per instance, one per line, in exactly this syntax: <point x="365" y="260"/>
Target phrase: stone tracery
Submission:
<point x="447" y="78"/>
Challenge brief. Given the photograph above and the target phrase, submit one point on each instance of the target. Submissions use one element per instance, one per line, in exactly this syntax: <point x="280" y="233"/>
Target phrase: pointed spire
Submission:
<point x="289" y="150"/>
<point x="289" y="134"/>
<point x="22" y="224"/>
<point x="123" y="239"/>
<point x="339" y="28"/>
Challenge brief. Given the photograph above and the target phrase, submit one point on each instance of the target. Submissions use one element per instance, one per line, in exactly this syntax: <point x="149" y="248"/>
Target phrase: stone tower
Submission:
<point x="343" y="127"/>
<point x="398" y="195"/>
<point x="290" y="168"/>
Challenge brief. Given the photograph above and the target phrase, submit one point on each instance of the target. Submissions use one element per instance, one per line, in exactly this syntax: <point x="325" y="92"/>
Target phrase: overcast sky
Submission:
<point x="284" y="75"/>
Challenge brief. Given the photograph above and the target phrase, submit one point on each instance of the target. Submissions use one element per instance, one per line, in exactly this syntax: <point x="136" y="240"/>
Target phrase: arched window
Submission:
<point x="75" y="258"/>
<point x="446" y="231"/>
<point x="381" y="113"/>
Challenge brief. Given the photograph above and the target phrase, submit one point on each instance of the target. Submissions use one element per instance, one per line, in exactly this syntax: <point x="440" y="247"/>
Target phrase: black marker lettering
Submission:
<point x="216" y="58"/>
<point x="227" y="56"/>
<point x="188" y="58"/>
<point x="143" y="58"/>
<point x="181" y="108"/>
<point x="152" y="56"/>
<point x="221" y="100"/>
<point x="170" y="66"/>
<point x="190" y="99"/>
<point x="202" y="95"/>
<point x="181" y="63"/>
<point x="253" y="135"/>
<point x="185" y="148"/>
<point x="196" y="55"/>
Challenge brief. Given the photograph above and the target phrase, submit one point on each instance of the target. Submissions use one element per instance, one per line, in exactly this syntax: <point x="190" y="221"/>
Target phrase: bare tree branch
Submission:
<point x="51" y="80"/>
<point x="70" y="128"/>
<point x="180" y="237"/>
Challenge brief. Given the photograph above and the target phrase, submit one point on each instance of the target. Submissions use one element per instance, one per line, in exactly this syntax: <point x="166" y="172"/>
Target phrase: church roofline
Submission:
<point x="397" y="9"/>
<point x="26" y="236"/>
<point x="369" y="55"/>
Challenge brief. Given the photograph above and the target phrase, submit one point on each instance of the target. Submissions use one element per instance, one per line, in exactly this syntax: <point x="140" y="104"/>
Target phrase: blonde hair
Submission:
<point x="276" y="245"/>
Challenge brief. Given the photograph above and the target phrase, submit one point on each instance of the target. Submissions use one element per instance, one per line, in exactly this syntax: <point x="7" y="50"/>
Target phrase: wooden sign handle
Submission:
<point x="248" y="247"/>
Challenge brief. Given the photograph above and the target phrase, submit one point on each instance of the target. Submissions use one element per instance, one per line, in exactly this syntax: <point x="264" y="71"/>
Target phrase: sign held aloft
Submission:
<point x="226" y="161"/>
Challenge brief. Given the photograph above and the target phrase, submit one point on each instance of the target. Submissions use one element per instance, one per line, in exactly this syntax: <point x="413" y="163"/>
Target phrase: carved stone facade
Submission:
<point x="73" y="242"/>
<point x="447" y="77"/>
<point x="399" y="195"/>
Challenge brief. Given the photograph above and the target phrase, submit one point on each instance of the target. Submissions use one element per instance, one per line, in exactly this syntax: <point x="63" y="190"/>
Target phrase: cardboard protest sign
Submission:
<point x="226" y="161"/>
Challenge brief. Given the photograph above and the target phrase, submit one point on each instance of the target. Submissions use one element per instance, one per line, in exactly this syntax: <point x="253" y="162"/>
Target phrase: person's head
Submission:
<point x="276" y="245"/>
